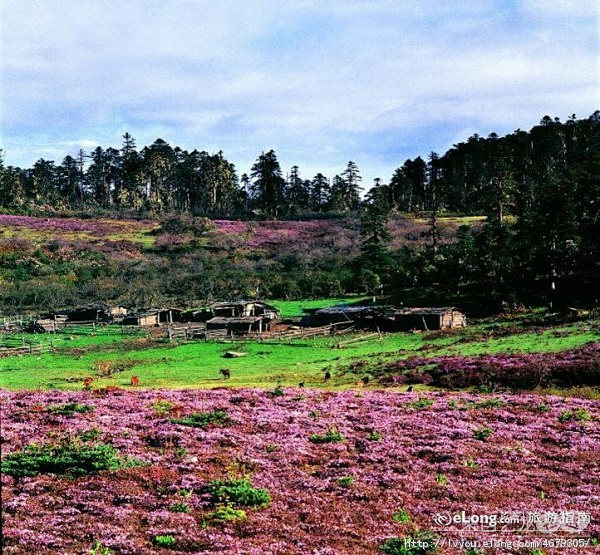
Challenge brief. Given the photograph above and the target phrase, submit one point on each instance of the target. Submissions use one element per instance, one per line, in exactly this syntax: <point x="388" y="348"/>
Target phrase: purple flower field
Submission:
<point x="393" y="454"/>
<point x="519" y="371"/>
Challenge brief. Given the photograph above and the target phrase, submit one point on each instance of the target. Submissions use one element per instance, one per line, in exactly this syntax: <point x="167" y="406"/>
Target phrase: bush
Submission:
<point x="345" y="481"/>
<point x="69" y="408"/>
<point x="332" y="436"/>
<point x="69" y="459"/>
<point x="421" y="404"/>
<point x="179" y="507"/>
<point x="164" y="541"/>
<point x="237" y="492"/>
<point x="228" y="513"/>
<point x="579" y="415"/>
<point x="482" y="433"/>
<point x="205" y="419"/>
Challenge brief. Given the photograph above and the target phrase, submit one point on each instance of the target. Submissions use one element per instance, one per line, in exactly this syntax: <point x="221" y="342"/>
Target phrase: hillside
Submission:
<point x="51" y="263"/>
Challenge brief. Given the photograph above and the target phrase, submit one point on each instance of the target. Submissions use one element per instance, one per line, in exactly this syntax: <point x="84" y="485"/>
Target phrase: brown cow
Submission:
<point x="135" y="381"/>
<point x="226" y="373"/>
<point x="87" y="383"/>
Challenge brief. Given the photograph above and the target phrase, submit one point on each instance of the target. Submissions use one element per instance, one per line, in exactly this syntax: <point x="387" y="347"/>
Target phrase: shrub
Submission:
<point x="579" y="415"/>
<point x="179" y="507"/>
<point x="374" y="436"/>
<point x="489" y="403"/>
<point x="69" y="409"/>
<point x="237" y="492"/>
<point x="89" y="435"/>
<point x="70" y="459"/>
<point x="277" y="392"/>
<point x="402" y="516"/>
<point x="205" y="419"/>
<point x="332" y="436"/>
<point x="421" y="404"/>
<point x="227" y="513"/>
<point x="99" y="549"/>
<point x="162" y="406"/>
<point x="164" y="541"/>
<point x="482" y="433"/>
<point x="345" y="481"/>
<point x="441" y="479"/>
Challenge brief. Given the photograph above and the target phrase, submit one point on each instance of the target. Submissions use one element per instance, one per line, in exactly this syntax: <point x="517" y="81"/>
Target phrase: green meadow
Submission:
<point x="160" y="364"/>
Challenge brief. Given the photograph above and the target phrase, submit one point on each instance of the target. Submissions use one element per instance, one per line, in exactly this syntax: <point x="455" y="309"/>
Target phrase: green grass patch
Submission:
<point x="69" y="409"/>
<point x="205" y="419"/>
<point x="332" y="436"/>
<point x="267" y="364"/>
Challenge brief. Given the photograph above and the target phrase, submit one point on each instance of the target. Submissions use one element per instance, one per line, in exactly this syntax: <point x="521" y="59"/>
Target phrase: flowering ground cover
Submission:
<point x="567" y="368"/>
<point x="285" y="471"/>
<point x="109" y="230"/>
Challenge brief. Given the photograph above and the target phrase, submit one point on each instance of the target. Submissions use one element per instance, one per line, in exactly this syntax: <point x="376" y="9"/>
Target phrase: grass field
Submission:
<point x="159" y="364"/>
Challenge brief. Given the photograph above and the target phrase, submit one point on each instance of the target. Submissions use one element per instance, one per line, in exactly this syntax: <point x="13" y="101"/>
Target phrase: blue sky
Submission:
<point x="321" y="82"/>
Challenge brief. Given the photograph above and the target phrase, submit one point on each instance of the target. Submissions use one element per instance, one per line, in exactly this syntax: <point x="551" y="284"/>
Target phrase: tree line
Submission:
<point x="162" y="179"/>
<point x="495" y="176"/>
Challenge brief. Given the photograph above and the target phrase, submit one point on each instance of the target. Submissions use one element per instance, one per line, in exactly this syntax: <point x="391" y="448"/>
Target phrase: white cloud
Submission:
<point x="317" y="81"/>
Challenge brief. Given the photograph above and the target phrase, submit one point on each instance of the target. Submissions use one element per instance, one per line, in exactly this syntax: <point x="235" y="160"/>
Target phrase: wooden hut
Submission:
<point x="146" y="318"/>
<point x="389" y="318"/>
<point x="424" y="318"/>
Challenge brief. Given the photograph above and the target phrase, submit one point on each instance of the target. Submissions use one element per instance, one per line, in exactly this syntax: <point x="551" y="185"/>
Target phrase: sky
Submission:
<point x="321" y="82"/>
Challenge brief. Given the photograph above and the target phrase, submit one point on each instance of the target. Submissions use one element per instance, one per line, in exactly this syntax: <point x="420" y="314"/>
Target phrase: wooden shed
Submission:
<point x="389" y="318"/>
<point x="424" y="318"/>
<point x="147" y="318"/>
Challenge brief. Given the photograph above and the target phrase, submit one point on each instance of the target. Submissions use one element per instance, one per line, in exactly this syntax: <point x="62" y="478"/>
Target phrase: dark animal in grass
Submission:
<point x="87" y="383"/>
<point x="301" y="384"/>
<point x="365" y="380"/>
<point x="327" y="376"/>
<point x="409" y="388"/>
<point x="135" y="381"/>
<point x="226" y="373"/>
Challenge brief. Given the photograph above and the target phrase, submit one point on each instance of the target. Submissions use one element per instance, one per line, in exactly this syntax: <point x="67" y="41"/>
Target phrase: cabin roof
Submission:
<point x="235" y="320"/>
<point x="388" y="310"/>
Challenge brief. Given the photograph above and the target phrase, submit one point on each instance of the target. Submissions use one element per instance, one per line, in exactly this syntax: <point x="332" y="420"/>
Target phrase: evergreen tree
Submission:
<point x="268" y="184"/>
<point x="320" y="193"/>
<point x="351" y="177"/>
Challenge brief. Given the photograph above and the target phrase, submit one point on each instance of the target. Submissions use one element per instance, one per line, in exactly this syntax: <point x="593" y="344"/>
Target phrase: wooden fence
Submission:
<point x="200" y="332"/>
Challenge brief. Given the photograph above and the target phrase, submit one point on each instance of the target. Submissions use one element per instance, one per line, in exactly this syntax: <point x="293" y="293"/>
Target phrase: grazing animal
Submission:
<point x="301" y="384"/>
<point x="409" y="388"/>
<point x="327" y="376"/>
<point x="87" y="383"/>
<point x="226" y="373"/>
<point x="365" y="380"/>
<point x="135" y="381"/>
